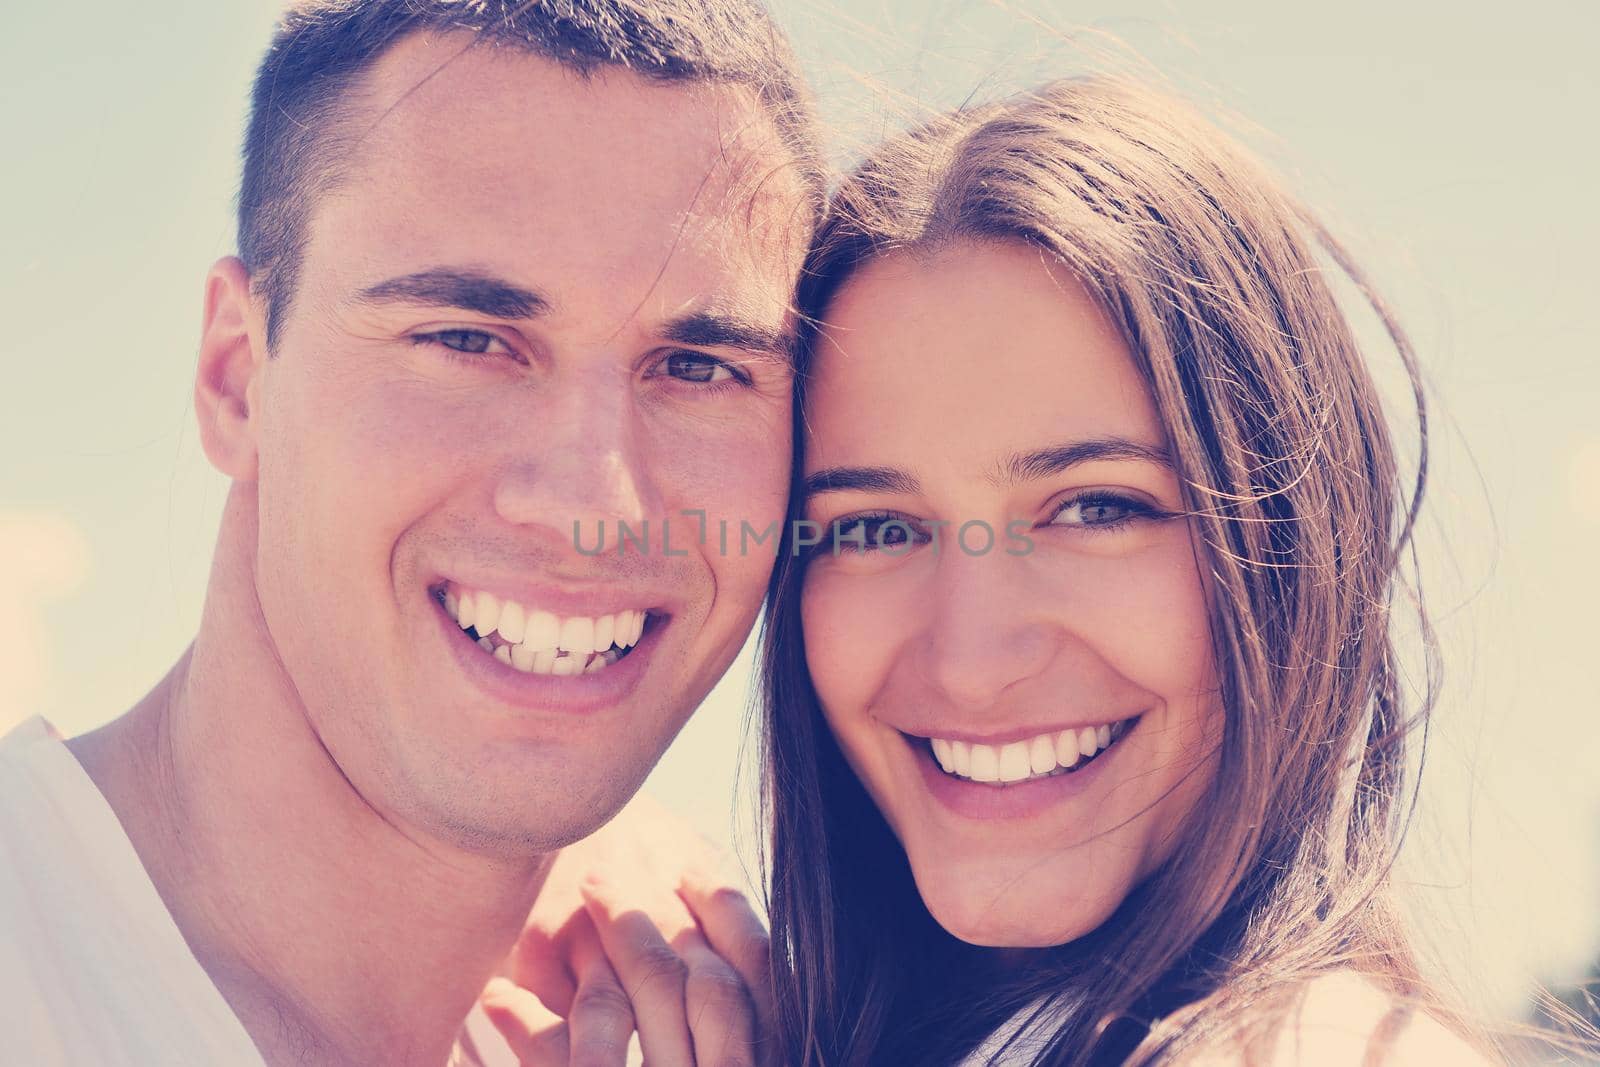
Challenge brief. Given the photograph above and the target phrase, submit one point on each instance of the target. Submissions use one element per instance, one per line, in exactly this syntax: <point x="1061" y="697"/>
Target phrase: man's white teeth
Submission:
<point x="540" y="642"/>
<point x="1034" y="757"/>
<point x="487" y="615"/>
<point x="513" y="622"/>
<point x="577" y="635"/>
<point x="543" y="630"/>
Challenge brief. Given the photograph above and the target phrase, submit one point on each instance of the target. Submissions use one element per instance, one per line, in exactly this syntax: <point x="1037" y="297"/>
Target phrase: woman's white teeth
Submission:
<point x="1014" y="765"/>
<point x="541" y="642"/>
<point x="1067" y="749"/>
<point x="1018" y="761"/>
<point x="985" y="763"/>
<point x="961" y="756"/>
<point x="1042" y="754"/>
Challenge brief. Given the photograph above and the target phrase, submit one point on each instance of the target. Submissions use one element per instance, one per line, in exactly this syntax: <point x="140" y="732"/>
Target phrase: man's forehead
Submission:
<point x="489" y="155"/>
<point x="455" y="89"/>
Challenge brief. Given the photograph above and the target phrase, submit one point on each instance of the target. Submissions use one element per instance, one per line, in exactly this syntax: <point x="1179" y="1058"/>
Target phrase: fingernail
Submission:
<point x="597" y="887"/>
<point x="498" y="986"/>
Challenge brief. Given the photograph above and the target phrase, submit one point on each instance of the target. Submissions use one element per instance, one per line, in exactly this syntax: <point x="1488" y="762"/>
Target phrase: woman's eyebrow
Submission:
<point x="859" y="479"/>
<point x="1019" y="467"/>
<point x="1043" y="462"/>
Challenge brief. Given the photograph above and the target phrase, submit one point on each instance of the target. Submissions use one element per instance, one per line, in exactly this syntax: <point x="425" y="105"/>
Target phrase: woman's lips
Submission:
<point x="1028" y="793"/>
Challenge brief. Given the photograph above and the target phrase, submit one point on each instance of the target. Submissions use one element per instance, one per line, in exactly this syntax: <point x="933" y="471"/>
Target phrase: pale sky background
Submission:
<point x="1452" y="146"/>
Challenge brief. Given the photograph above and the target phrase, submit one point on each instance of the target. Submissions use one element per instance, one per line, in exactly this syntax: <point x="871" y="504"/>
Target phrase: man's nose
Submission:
<point x="579" y="467"/>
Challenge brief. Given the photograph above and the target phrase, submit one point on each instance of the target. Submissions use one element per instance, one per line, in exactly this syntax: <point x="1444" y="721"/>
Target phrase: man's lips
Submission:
<point x="555" y="664"/>
<point x="535" y="640"/>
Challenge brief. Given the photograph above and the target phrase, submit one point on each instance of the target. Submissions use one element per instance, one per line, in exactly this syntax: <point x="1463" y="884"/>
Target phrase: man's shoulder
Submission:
<point x="93" y="967"/>
<point x="24" y="739"/>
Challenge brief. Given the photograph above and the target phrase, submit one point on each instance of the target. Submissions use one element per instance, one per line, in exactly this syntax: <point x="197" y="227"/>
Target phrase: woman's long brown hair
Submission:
<point x="1221" y="286"/>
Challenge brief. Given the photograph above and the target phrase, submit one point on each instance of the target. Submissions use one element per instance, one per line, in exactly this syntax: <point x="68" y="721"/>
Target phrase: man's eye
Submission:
<point x="698" y="367"/>
<point x="470" y="342"/>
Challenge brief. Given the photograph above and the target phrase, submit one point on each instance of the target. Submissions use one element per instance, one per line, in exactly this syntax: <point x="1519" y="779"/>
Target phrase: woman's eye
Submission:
<point x="872" y="533"/>
<point x="1100" y="511"/>
<point x="698" y="367"/>
<point x="467" y="342"/>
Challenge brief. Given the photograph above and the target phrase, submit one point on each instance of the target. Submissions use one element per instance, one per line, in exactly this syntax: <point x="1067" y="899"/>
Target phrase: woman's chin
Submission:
<point x="997" y="915"/>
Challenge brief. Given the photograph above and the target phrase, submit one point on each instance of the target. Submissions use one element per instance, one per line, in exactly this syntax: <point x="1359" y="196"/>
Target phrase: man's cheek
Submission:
<point x="726" y="495"/>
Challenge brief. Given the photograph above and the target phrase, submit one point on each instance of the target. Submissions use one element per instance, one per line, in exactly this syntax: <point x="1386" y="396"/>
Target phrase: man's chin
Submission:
<point x="519" y="814"/>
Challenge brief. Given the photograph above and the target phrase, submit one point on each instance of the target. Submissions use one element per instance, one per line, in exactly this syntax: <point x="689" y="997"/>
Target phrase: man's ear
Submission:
<point x="227" y="381"/>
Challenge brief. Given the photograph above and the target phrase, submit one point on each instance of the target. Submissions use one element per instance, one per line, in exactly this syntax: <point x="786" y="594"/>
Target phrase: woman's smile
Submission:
<point x="1034" y="719"/>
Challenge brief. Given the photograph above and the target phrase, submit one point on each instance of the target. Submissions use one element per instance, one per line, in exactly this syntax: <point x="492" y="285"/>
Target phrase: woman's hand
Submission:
<point x="702" y="997"/>
<point x="699" y="997"/>
<point x="680" y="958"/>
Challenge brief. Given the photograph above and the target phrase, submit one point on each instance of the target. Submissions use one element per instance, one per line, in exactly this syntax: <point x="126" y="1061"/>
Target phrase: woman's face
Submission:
<point x="1021" y="675"/>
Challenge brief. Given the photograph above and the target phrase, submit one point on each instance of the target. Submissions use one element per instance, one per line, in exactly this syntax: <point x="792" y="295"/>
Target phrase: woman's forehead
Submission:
<point x="977" y="349"/>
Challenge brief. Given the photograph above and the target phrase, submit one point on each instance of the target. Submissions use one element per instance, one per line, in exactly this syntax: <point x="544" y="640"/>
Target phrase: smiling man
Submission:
<point x="506" y="270"/>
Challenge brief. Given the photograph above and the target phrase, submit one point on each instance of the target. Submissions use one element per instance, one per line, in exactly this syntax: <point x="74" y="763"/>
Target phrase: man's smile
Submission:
<point x="536" y="641"/>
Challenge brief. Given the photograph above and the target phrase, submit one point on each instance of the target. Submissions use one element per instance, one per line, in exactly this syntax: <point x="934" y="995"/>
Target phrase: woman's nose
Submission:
<point x="983" y="634"/>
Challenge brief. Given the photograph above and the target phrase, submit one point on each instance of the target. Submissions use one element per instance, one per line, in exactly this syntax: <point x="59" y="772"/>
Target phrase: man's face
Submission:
<point x="535" y="301"/>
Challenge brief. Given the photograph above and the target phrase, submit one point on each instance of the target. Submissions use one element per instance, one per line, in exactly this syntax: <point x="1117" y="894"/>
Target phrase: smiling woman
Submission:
<point x="1132" y="779"/>
<point x="1021" y="667"/>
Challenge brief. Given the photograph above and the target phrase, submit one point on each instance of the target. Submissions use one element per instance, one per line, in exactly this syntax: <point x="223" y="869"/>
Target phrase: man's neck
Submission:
<point x="336" y="936"/>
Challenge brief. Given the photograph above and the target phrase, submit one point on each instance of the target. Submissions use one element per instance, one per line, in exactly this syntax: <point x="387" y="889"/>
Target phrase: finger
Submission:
<point x="542" y="961"/>
<point x="534" y="1033"/>
<point x="721" y="1013"/>
<point x="736" y="933"/>
<point x="653" y="975"/>
<point x="601" y="1020"/>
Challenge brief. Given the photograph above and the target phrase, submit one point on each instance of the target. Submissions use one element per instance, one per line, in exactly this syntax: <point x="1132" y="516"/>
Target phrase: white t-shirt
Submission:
<point x="93" y="970"/>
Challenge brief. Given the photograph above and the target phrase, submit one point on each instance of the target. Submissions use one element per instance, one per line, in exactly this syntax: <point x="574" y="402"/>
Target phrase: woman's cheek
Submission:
<point x="1143" y="610"/>
<point x="828" y="625"/>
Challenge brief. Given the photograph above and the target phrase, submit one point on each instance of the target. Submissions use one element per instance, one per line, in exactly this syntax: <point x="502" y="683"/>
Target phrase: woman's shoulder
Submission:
<point x="1348" y="1020"/>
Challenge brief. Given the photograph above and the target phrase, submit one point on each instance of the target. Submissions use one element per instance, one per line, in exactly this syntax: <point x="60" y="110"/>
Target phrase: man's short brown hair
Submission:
<point x="322" y="46"/>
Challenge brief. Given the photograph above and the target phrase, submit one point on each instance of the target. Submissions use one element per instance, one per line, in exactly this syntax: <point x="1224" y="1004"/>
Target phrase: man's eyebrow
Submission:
<point x="465" y="289"/>
<point x="859" y="479"/>
<point x="1043" y="462"/>
<point x="713" y="329"/>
